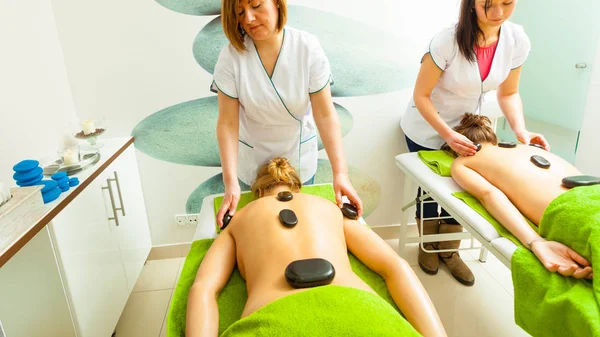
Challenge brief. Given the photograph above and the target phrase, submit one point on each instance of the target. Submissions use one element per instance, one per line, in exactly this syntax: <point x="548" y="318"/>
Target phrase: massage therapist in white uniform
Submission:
<point x="271" y="80"/>
<point x="482" y="52"/>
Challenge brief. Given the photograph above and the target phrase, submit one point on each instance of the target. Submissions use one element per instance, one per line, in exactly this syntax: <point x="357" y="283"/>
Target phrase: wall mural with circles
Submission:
<point x="185" y="133"/>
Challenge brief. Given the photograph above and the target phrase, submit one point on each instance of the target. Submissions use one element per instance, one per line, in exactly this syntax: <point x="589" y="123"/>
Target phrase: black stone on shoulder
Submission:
<point x="349" y="211"/>
<point x="507" y="144"/>
<point x="285" y="196"/>
<point x="478" y="146"/>
<point x="537" y="145"/>
<point x="583" y="180"/>
<point x="309" y="273"/>
<point x="540" y="161"/>
<point x="226" y="219"/>
<point x="288" y="218"/>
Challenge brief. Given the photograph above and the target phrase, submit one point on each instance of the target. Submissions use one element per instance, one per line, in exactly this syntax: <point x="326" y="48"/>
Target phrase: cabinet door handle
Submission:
<point x="119" y="192"/>
<point x="112" y="201"/>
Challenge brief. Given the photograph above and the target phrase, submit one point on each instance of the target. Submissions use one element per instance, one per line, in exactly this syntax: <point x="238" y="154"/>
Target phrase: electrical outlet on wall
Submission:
<point x="192" y="220"/>
<point x="181" y="220"/>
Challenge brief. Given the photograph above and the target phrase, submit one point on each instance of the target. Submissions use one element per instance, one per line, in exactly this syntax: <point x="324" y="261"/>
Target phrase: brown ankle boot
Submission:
<point x="457" y="266"/>
<point x="429" y="262"/>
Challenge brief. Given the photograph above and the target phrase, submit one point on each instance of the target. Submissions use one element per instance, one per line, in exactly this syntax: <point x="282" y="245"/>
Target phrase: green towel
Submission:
<point x="549" y="304"/>
<point x="233" y="297"/>
<point x="324" y="311"/>
<point x="438" y="161"/>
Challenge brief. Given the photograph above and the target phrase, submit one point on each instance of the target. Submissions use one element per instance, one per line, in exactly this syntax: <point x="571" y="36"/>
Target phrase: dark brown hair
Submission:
<point x="475" y="127"/>
<point x="278" y="171"/>
<point x="467" y="29"/>
<point x="231" y="24"/>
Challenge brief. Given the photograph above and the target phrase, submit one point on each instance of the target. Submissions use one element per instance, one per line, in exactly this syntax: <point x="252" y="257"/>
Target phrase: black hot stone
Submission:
<point x="537" y="145"/>
<point x="540" y="161"/>
<point x="226" y="219"/>
<point x="288" y="218"/>
<point x="349" y="211"/>
<point x="507" y="144"/>
<point x="478" y="146"/>
<point x="285" y="196"/>
<point x="575" y="181"/>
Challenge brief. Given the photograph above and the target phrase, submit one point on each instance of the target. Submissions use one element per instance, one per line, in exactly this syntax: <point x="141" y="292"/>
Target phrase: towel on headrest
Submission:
<point x="324" y="311"/>
<point x="438" y="161"/>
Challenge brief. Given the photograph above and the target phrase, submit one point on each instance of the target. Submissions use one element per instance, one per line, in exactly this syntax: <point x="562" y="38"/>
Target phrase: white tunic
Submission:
<point x="460" y="89"/>
<point x="275" y="113"/>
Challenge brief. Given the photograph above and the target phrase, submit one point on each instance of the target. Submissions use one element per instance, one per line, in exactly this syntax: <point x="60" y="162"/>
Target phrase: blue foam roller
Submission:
<point x="24" y="176"/>
<point x="26" y="165"/>
<point x="73" y="183"/>
<point x="64" y="189"/>
<point x="51" y="195"/>
<point x="31" y="182"/>
<point x="48" y="185"/>
<point x="62" y="181"/>
<point x="59" y="175"/>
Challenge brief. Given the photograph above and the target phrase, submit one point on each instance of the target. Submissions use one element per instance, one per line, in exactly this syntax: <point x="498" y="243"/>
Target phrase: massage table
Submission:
<point x="440" y="189"/>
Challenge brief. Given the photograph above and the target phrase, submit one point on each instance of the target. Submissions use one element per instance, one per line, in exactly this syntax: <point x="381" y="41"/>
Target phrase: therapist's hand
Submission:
<point x="230" y="201"/>
<point x="527" y="137"/>
<point x="460" y="144"/>
<point x="343" y="187"/>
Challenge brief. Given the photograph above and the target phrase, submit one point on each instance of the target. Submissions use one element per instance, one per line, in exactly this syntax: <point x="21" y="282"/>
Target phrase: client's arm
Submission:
<point x="555" y="256"/>
<point x="401" y="280"/>
<point x="214" y="272"/>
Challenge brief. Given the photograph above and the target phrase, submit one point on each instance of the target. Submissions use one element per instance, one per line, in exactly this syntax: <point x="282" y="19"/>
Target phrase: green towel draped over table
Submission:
<point x="347" y="311"/>
<point x="438" y="161"/>
<point x="548" y="304"/>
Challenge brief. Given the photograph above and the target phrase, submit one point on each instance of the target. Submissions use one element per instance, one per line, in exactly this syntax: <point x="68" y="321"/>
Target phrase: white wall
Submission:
<point x="588" y="153"/>
<point x="35" y="99"/>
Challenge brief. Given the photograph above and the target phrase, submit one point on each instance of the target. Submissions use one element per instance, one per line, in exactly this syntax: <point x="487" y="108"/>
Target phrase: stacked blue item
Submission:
<point x="62" y="180"/>
<point x="73" y="181"/>
<point x="29" y="173"/>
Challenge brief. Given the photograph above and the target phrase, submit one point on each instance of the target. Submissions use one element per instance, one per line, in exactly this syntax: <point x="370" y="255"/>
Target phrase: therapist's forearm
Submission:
<point x="512" y="108"/>
<point x="331" y="135"/>
<point x="227" y="136"/>
<point x="431" y="115"/>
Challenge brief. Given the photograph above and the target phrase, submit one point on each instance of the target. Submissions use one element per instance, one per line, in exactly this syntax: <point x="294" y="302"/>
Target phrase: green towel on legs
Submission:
<point x="549" y="304"/>
<point x="233" y="298"/>
<point x="438" y="161"/>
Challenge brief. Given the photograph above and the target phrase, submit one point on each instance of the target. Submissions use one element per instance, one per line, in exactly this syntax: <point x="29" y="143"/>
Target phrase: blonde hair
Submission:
<point x="476" y="128"/>
<point x="231" y="24"/>
<point x="278" y="171"/>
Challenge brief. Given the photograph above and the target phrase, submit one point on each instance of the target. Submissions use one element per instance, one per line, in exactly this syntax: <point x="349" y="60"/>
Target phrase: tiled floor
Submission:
<point x="484" y="310"/>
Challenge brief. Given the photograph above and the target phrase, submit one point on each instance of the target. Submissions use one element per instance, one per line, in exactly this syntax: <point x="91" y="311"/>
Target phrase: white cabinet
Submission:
<point x="99" y="259"/>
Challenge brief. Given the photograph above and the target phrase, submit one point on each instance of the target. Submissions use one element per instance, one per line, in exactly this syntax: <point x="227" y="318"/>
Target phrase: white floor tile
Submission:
<point x="179" y="272"/>
<point x="163" y="330"/>
<point x="484" y="309"/>
<point x="500" y="273"/>
<point x="144" y="314"/>
<point x="158" y="274"/>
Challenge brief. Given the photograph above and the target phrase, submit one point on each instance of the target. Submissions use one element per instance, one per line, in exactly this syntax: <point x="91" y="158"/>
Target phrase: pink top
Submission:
<point x="485" y="56"/>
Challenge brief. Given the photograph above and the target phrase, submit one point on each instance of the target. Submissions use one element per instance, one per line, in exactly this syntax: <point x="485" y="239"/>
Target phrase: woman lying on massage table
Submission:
<point x="511" y="181"/>
<point x="263" y="243"/>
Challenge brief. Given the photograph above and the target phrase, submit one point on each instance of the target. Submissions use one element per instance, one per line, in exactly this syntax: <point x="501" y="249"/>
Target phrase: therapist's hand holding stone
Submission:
<point x="460" y="144"/>
<point x="273" y="86"/>
<point x="343" y="187"/>
<point x="527" y="137"/>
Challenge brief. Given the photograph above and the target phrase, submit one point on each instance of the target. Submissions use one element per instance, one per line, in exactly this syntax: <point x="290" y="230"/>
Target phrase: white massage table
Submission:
<point x="206" y="228"/>
<point x="440" y="189"/>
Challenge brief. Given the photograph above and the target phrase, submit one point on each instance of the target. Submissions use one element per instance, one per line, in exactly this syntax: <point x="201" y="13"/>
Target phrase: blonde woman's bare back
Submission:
<point x="264" y="247"/>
